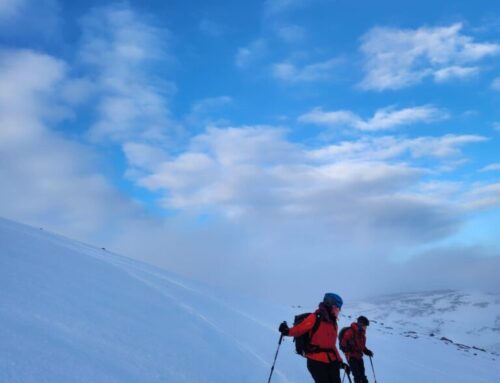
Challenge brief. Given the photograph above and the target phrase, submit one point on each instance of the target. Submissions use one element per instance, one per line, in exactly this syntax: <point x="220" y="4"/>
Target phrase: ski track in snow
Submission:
<point x="189" y="309"/>
<point x="126" y="263"/>
<point x="131" y="268"/>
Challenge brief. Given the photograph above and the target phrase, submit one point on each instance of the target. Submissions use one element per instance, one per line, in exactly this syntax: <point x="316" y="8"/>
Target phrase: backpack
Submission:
<point x="342" y="332"/>
<point x="302" y="342"/>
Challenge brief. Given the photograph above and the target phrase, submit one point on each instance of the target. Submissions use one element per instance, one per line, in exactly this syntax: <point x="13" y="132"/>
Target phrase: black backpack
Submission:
<point x="302" y="343"/>
<point x="341" y="336"/>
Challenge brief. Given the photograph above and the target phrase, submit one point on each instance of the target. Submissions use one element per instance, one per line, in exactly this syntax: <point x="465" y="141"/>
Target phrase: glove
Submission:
<point x="345" y="367"/>
<point x="283" y="329"/>
<point x="368" y="352"/>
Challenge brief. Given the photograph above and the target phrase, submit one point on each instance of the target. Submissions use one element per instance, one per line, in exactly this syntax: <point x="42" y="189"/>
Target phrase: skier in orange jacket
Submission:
<point x="323" y="359"/>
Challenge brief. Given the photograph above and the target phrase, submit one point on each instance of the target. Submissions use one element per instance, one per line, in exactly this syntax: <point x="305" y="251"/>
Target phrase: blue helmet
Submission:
<point x="332" y="299"/>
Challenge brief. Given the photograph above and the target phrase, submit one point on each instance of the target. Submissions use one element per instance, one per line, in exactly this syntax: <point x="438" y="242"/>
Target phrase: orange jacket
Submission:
<point x="325" y="337"/>
<point x="354" y="340"/>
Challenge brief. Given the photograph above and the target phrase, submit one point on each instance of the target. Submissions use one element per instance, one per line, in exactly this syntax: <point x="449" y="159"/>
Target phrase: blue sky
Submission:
<point x="248" y="144"/>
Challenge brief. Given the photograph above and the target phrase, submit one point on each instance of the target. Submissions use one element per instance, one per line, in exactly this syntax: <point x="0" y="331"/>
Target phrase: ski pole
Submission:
<point x="374" y="377"/>
<point x="275" y="356"/>
<point x="346" y="373"/>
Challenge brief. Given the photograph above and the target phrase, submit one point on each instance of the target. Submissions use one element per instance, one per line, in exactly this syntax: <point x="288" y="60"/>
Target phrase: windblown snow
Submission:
<point x="70" y="312"/>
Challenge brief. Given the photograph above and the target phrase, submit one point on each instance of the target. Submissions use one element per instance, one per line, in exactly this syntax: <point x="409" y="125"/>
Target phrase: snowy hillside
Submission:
<point x="74" y="313"/>
<point x="467" y="319"/>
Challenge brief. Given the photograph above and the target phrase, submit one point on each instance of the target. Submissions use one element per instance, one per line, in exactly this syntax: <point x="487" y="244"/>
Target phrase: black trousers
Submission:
<point x="358" y="370"/>
<point x="324" y="372"/>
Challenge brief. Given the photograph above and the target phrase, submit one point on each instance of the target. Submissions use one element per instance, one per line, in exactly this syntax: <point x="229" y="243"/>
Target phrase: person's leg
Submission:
<point x="355" y="365"/>
<point x="334" y="373"/>
<point x="362" y="373"/>
<point x="319" y="371"/>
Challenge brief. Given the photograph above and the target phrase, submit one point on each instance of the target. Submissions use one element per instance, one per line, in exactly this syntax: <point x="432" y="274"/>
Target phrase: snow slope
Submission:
<point x="74" y="313"/>
<point x="465" y="318"/>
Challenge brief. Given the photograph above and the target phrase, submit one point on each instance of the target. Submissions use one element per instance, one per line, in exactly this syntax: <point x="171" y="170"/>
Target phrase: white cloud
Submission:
<point x="491" y="167"/>
<point x="289" y="72"/>
<point x="131" y="105"/>
<point x="280" y="199"/>
<point x="254" y="170"/>
<point x="337" y="118"/>
<point x="390" y="147"/>
<point x="255" y="51"/>
<point x="47" y="179"/>
<point x="455" y="72"/>
<point x="383" y="119"/>
<point x="449" y="267"/>
<point x="218" y="167"/>
<point x="22" y="86"/>
<point x="483" y="196"/>
<point x="444" y="146"/>
<point x="246" y="170"/>
<point x="144" y="156"/>
<point x="398" y="58"/>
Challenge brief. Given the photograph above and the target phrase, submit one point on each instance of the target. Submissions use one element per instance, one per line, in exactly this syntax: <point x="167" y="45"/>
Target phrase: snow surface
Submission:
<point x="70" y="312"/>
<point x="466" y="318"/>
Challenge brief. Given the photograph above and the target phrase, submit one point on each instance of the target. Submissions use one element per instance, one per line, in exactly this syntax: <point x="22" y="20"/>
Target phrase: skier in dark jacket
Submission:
<point x="354" y="344"/>
<point x="323" y="359"/>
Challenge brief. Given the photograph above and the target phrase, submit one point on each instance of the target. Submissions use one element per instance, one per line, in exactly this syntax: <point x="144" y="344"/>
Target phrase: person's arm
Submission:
<point x="368" y="352"/>
<point x="338" y="357"/>
<point x="304" y="326"/>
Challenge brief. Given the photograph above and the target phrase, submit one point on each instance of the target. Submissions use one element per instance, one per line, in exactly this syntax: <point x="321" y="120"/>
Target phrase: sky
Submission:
<point x="280" y="148"/>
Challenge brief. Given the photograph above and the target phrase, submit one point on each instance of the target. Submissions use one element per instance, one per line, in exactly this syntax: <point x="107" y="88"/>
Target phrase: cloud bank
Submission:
<point x="247" y="206"/>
